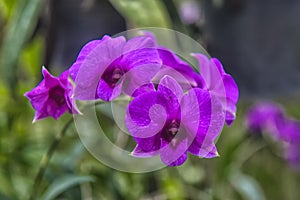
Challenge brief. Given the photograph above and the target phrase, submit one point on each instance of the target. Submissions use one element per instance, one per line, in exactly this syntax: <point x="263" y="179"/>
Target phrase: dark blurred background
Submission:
<point x="257" y="41"/>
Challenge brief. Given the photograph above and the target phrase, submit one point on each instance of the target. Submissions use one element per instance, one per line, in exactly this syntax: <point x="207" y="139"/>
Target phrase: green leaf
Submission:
<point x="3" y="197"/>
<point x="143" y="13"/>
<point x="62" y="184"/>
<point x="19" y="29"/>
<point x="6" y="8"/>
<point x="246" y="185"/>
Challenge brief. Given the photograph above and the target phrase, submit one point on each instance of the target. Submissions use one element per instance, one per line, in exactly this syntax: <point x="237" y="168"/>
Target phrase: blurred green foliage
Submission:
<point x="143" y="13"/>
<point x="249" y="168"/>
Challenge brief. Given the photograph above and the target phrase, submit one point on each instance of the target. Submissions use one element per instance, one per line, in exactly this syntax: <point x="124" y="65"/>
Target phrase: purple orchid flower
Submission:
<point x="212" y="77"/>
<point x="170" y="123"/>
<point x="271" y="118"/>
<point x="292" y="155"/>
<point x="105" y="68"/>
<point x="175" y="67"/>
<point x="220" y="84"/>
<point x="290" y="132"/>
<point x="182" y="72"/>
<point x="52" y="97"/>
<point x="266" y="116"/>
<point x="190" y="12"/>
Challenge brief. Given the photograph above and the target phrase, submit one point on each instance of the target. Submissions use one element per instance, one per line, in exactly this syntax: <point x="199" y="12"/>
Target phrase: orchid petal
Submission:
<point x="146" y="115"/>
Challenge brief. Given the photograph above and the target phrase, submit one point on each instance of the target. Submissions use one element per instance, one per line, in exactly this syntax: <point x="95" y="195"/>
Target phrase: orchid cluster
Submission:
<point x="173" y="109"/>
<point x="271" y="118"/>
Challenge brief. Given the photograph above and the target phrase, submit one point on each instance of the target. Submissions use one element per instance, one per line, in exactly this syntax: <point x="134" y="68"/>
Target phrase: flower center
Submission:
<point x="171" y="131"/>
<point x="57" y="94"/>
<point x="112" y="76"/>
<point x="173" y="128"/>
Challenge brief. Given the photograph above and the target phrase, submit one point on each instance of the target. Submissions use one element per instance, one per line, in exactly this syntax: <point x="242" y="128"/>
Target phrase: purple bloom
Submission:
<point x="52" y="97"/>
<point x="104" y="68"/>
<point x="183" y="73"/>
<point x="290" y="132"/>
<point x="175" y="67"/>
<point x="292" y="155"/>
<point x="220" y="84"/>
<point x="265" y="116"/>
<point x="212" y="77"/>
<point x="190" y="12"/>
<point x="270" y="118"/>
<point x="171" y="123"/>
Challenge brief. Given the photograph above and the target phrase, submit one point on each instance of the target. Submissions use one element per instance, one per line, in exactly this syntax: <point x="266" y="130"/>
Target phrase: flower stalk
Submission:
<point x="46" y="158"/>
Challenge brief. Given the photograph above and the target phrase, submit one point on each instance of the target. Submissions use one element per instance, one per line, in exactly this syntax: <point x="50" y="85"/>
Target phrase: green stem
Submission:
<point x="46" y="158"/>
<point x="173" y="12"/>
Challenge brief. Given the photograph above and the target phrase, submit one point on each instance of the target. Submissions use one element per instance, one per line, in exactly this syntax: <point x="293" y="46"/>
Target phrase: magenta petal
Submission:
<point x="190" y="112"/>
<point x="150" y="145"/>
<point x="94" y="65"/>
<point x="230" y="113"/>
<point x="263" y="117"/>
<point x="232" y="91"/>
<point x="220" y="84"/>
<point x="149" y="34"/>
<point x="207" y="151"/>
<point x="211" y="117"/>
<point x="74" y="69"/>
<point x="146" y="115"/>
<point x="140" y="152"/>
<point x="37" y="96"/>
<point x="88" y="48"/>
<point x="49" y="80"/>
<point x="293" y="155"/>
<point x="218" y="65"/>
<point x="185" y="82"/>
<point x="52" y="109"/>
<point x="204" y="68"/>
<point x="107" y="93"/>
<point x="172" y="85"/>
<point x="232" y="95"/>
<point x="178" y="69"/>
<point x="289" y="130"/>
<point x="52" y="97"/>
<point x="139" y="76"/>
<point x="139" y="42"/>
<point x="84" y="52"/>
<point x="172" y="92"/>
<point x="174" y="153"/>
<point x="179" y="160"/>
<point x="203" y="118"/>
<point x="144" y="88"/>
<point x="210" y="111"/>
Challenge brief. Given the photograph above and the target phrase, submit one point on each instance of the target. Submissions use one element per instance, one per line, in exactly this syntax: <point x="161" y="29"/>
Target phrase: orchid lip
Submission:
<point x="57" y="94"/>
<point x="112" y="77"/>
<point x="173" y="128"/>
<point x="171" y="131"/>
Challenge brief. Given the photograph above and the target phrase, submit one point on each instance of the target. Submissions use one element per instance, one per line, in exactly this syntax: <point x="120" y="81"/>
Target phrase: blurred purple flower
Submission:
<point x="190" y="12"/>
<point x="171" y="123"/>
<point x="105" y="68"/>
<point x="265" y="116"/>
<point x="292" y="155"/>
<point x="219" y="83"/>
<point x="52" y="97"/>
<point x="271" y="118"/>
<point x="290" y="132"/>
